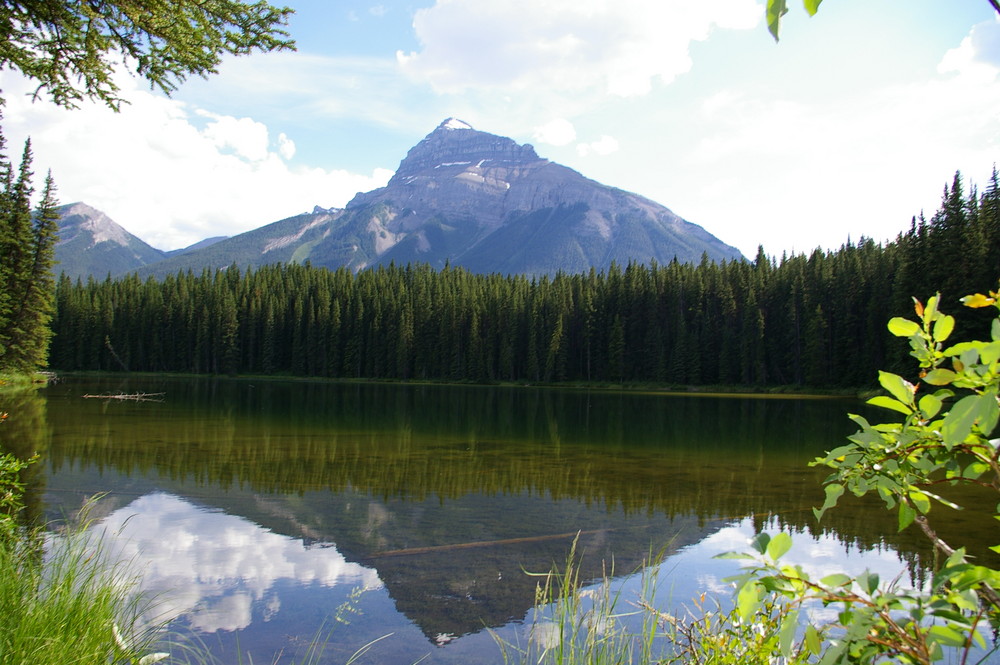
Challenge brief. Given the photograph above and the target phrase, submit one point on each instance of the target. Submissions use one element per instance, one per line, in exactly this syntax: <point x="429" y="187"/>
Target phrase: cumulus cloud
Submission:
<point x="601" y="147"/>
<point x="612" y="46"/>
<point x="171" y="173"/>
<point x="556" y="132"/>
<point x="978" y="56"/>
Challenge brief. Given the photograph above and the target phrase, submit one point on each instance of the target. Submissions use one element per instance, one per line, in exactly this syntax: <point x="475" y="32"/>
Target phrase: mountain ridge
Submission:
<point x="464" y="197"/>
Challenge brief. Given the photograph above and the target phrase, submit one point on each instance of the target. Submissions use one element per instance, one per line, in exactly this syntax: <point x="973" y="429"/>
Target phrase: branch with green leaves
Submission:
<point x="71" y="48"/>
<point x="943" y="440"/>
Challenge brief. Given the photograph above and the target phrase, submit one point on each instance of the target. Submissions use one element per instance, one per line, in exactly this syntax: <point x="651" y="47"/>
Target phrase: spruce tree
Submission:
<point x="27" y="242"/>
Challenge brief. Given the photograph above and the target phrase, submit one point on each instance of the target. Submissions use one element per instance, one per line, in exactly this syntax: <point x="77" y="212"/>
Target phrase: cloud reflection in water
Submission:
<point x="210" y="568"/>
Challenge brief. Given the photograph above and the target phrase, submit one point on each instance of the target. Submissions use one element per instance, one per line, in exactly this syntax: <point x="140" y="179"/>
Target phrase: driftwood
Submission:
<point x="131" y="397"/>
<point x="482" y="543"/>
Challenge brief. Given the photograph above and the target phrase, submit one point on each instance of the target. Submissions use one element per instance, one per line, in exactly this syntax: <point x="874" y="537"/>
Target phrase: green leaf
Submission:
<point x="833" y="492"/>
<point x="947" y="635"/>
<point x="779" y="545"/>
<point x="760" y="542"/>
<point x="906" y="515"/>
<point x="920" y="501"/>
<point x="868" y="581"/>
<point x="930" y="310"/>
<point x="748" y="600"/>
<point x="837" y="579"/>
<point x="930" y="405"/>
<point x="943" y="328"/>
<point x="897" y="386"/>
<point x="732" y="555"/>
<point x="786" y="638"/>
<point x="812" y="6"/>
<point x="901" y="327"/>
<point x="887" y="402"/>
<point x="940" y="377"/>
<point x="813" y="642"/>
<point x="995" y="330"/>
<point x="958" y="423"/>
<point x="775" y="10"/>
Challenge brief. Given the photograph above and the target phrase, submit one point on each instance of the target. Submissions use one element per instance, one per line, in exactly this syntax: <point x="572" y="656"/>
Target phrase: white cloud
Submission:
<point x="154" y="170"/>
<point x="611" y="46"/>
<point x="286" y="146"/>
<point x="212" y="567"/>
<point x="978" y="56"/>
<point x="556" y="132"/>
<point x="246" y="137"/>
<point x="814" y="173"/>
<point x="601" y="147"/>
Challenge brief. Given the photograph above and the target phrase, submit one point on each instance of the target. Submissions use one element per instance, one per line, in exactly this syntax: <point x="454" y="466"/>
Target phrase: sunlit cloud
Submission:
<point x="619" y="47"/>
<point x="172" y="173"/>
<point x="556" y="132"/>
<point x="603" y="146"/>
<point x="978" y="56"/>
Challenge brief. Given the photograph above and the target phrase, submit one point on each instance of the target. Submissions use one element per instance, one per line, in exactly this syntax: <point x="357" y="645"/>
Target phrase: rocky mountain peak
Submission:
<point x="454" y="143"/>
<point x="79" y="219"/>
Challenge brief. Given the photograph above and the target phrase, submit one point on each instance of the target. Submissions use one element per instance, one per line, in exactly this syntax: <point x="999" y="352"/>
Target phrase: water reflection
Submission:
<point x="266" y="503"/>
<point x="213" y="568"/>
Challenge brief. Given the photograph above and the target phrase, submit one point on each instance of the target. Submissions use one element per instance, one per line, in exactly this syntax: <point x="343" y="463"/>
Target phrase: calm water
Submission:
<point x="260" y="511"/>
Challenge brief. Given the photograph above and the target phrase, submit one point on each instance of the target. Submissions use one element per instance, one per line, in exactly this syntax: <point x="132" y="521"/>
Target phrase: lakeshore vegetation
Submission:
<point x="814" y="320"/>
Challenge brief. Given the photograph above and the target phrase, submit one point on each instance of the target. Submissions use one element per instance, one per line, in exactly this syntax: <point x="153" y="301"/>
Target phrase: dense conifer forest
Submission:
<point x="800" y="320"/>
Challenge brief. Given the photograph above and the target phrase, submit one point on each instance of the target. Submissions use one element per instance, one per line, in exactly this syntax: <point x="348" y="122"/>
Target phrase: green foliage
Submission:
<point x="11" y="492"/>
<point x="942" y="441"/>
<point x="814" y="320"/>
<point x="778" y="8"/>
<point x="27" y="241"/>
<point x="72" y="604"/>
<point x="72" y="48"/>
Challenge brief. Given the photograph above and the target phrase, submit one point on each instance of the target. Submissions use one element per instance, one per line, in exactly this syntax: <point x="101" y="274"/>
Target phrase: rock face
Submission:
<point x="476" y="200"/>
<point x="491" y="205"/>
<point x="90" y="243"/>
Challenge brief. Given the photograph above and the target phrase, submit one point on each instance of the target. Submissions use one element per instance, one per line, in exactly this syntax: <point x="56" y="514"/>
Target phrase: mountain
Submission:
<point x="491" y="205"/>
<point x="90" y="243"/>
<point x="201" y="244"/>
<point x="473" y="199"/>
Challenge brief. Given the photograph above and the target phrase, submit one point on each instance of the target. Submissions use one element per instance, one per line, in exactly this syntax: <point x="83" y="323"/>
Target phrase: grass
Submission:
<point x="9" y="380"/>
<point x="592" y="626"/>
<point x="62" y="601"/>
<point x="597" y="625"/>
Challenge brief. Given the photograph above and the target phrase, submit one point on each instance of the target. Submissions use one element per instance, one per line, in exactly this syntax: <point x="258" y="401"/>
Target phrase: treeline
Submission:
<point x="816" y="319"/>
<point x="27" y="240"/>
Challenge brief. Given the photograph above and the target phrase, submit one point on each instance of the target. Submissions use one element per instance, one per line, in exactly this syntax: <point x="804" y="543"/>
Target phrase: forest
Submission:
<point x="815" y="320"/>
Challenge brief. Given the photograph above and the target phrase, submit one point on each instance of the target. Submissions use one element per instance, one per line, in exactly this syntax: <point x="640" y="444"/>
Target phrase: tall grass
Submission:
<point x="62" y="601"/>
<point x="598" y="624"/>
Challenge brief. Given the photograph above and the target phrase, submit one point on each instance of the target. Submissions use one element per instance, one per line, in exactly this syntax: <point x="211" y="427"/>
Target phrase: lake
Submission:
<point x="263" y="513"/>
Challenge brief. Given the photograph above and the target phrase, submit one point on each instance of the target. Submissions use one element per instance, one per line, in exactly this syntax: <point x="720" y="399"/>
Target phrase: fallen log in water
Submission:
<point x="133" y="397"/>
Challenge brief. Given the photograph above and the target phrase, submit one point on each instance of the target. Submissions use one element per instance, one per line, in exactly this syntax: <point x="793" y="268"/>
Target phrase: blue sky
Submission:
<point x="848" y="127"/>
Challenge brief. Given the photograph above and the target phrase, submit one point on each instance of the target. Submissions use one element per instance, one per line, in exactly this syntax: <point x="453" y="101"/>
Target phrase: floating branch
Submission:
<point x="133" y="397"/>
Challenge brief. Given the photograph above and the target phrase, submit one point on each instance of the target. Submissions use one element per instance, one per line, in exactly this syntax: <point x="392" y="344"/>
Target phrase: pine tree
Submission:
<point x="27" y="243"/>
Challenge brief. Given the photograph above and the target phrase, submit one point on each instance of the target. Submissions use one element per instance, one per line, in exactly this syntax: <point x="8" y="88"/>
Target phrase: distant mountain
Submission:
<point x="471" y="199"/>
<point x="90" y="243"/>
<point x="290" y="240"/>
<point x="201" y="244"/>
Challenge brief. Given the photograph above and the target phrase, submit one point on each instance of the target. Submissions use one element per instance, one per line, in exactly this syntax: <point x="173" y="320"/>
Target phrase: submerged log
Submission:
<point x="133" y="397"/>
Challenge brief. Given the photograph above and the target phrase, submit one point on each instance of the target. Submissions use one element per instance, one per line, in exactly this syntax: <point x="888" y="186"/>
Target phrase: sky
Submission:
<point x="848" y="127"/>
